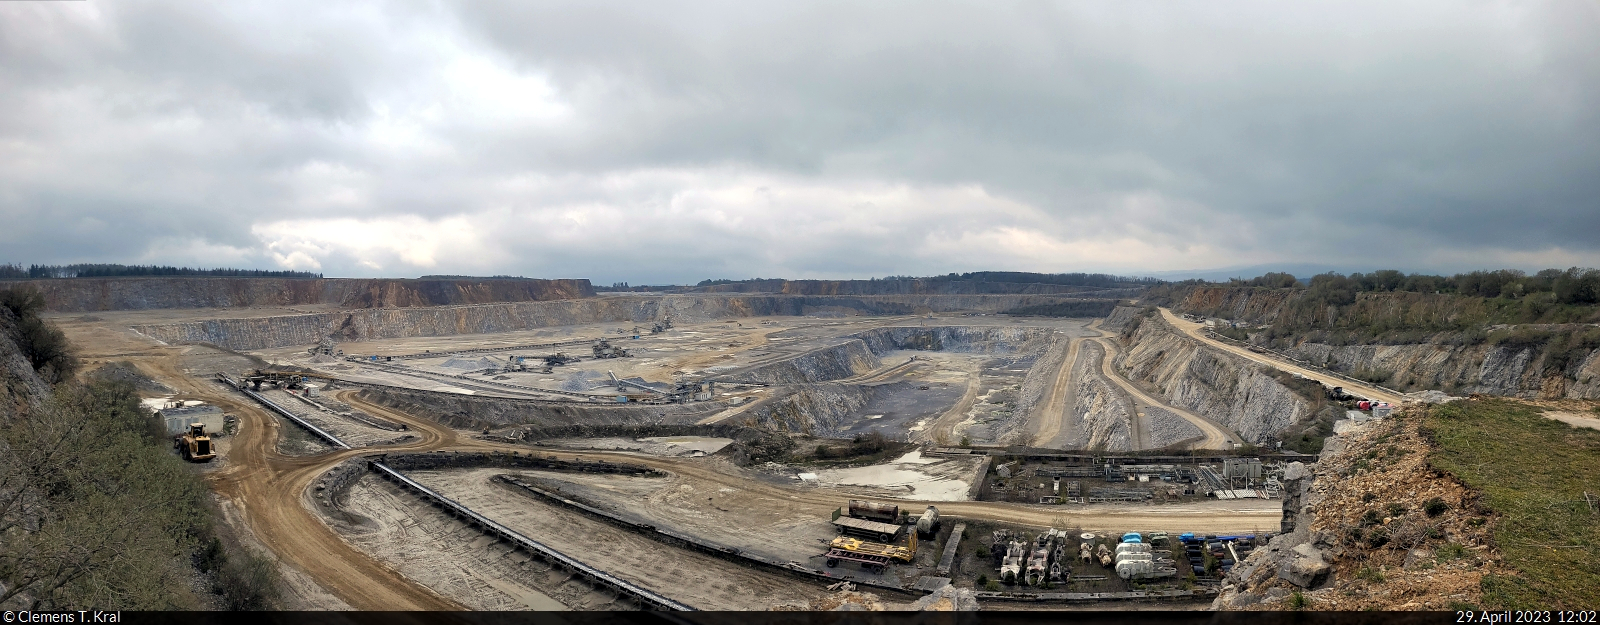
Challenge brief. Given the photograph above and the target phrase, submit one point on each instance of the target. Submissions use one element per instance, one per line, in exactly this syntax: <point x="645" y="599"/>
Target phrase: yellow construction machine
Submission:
<point x="195" y="444"/>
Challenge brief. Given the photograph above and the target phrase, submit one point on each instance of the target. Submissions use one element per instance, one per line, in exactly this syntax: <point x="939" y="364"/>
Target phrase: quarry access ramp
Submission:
<point x="1327" y="378"/>
<point x="642" y="596"/>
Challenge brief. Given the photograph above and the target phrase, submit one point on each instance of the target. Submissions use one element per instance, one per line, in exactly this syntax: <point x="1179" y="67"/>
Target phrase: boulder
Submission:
<point x="1306" y="568"/>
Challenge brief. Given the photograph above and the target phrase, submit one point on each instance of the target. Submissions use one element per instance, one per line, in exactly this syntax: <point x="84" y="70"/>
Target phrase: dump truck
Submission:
<point x="195" y="444"/>
<point x="874" y="557"/>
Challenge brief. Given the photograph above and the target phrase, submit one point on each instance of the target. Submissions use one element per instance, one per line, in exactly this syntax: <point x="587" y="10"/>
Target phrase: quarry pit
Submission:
<point x="761" y="425"/>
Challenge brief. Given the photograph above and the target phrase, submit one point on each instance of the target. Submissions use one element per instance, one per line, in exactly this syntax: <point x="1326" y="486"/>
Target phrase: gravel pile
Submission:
<point x="1167" y="428"/>
<point x="581" y="381"/>
<point x="470" y="365"/>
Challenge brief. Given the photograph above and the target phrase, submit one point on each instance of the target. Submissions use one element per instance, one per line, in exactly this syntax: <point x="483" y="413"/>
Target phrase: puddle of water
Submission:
<point x="919" y="486"/>
<point x="873" y="416"/>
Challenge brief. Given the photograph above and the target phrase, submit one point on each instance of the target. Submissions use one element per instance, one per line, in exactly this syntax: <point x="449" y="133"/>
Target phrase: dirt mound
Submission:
<point x="581" y="381"/>
<point x="471" y="365"/>
<point x="124" y="371"/>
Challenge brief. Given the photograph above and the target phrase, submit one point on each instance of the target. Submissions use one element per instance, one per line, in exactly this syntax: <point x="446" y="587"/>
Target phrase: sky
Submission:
<point x="664" y="142"/>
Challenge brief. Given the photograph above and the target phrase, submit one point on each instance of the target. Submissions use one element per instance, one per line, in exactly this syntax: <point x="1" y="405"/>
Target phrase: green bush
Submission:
<point x="45" y="347"/>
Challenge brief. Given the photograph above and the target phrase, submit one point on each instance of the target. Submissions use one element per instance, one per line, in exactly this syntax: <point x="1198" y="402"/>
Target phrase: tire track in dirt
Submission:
<point x="270" y="489"/>
<point x="1063" y="394"/>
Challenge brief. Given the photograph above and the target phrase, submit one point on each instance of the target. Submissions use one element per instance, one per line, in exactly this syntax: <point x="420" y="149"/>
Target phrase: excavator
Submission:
<point x="195" y="444"/>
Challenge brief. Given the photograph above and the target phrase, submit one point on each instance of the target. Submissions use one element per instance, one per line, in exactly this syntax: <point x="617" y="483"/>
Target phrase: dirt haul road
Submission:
<point x="269" y="490"/>
<point x="1216" y="436"/>
<point x="942" y="430"/>
<point x="1063" y="394"/>
<point x="1195" y="331"/>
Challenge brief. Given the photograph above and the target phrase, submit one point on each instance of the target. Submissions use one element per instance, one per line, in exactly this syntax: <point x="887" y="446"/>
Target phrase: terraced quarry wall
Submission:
<point x="1233" y="391"/>
<point x="386" y="323"/>
<point x="99" y="294"/>
<point x="967" y="339"/>
<point x="817" y="409"/>
<point x="1513" y="370"/>
<point x="1414" y="341"/>
<point x="823" y="365"/>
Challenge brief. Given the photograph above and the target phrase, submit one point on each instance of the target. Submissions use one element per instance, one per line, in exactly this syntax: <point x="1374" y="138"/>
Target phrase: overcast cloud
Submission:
<point x="654" y="142"/>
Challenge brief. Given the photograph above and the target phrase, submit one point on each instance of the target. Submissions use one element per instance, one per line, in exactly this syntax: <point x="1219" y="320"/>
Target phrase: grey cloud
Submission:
<point x="1298" y="132"/>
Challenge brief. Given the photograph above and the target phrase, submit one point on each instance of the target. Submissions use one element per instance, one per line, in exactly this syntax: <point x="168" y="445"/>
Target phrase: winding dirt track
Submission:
<point x="1217" y="437"/>
<point x="1193" y="330"/>
<point x="270" y="488"/>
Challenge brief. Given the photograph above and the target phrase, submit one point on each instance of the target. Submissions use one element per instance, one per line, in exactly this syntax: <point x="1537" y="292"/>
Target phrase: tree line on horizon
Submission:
<point x="95" y="270"/>
<point x="1566" y="286"/>
<point x="1065" y="279"/>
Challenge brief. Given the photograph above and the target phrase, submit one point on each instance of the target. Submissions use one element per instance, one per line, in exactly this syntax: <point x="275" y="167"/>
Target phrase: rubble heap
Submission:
<point x="1374" y="526"/>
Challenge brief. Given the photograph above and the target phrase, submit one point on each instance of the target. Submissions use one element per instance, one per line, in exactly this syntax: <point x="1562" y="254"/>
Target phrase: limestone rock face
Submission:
<point x="1228" y="389"/>
<point x="145" y="293"/>
<point x="390" y="323"/>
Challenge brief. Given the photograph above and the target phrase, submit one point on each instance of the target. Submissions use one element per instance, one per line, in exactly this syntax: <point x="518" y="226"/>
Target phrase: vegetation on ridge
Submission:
<point x="96" y="512"/>
<point x="91" y="270"/>
<point x="1540" y="480"/>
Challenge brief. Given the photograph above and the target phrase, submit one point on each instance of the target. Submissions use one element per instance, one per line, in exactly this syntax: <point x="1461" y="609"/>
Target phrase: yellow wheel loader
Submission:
<point x="195" y="444"/>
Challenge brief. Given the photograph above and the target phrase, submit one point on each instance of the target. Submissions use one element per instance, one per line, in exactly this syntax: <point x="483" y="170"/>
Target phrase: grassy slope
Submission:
<point x="1533" y="473"/>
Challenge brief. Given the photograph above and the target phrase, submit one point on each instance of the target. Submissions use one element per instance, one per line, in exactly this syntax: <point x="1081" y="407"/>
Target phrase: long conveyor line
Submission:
<point x="644" y="597"/>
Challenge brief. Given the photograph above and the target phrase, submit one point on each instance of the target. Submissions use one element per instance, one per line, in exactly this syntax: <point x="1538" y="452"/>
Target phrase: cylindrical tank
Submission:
<point x="929" y="522"/>
<point x="874" y="511"/>
<point x="1134" y="568"/>
<point x="1132" y="548"/>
